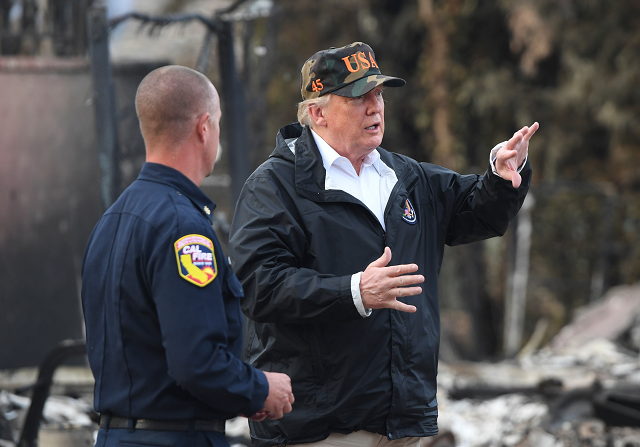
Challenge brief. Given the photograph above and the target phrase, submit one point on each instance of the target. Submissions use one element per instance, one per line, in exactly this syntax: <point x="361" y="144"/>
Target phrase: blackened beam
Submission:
<point x="160" y="21"/>
<point x="64" y="350"/>
<point x="232" y="90"/>
<point x="104" y="104"/>
<point x="234" y="116"/>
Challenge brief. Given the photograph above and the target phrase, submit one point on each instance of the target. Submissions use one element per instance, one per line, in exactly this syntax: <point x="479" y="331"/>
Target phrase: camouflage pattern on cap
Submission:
<point x="347" y="71"/>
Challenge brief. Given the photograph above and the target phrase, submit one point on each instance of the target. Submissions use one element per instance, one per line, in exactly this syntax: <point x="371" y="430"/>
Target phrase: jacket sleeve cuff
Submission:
<point x="260" y="396"/>
<point x="494" y="154"/>
<point x="355" y="293"/>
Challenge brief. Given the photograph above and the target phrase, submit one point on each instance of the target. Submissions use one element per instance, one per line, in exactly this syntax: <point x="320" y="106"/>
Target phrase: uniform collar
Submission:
<point x="158" y="173"/>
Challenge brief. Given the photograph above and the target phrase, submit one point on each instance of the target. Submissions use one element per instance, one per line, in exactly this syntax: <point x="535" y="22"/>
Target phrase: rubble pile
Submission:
<point x="583" y="389"/>
<point x="60" y="414"/>
<point x="13" y="410"/>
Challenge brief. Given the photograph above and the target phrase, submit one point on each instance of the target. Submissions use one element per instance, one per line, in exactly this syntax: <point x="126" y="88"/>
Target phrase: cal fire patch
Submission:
<point x="409" y="214"/>
<point x="196" y="259"/>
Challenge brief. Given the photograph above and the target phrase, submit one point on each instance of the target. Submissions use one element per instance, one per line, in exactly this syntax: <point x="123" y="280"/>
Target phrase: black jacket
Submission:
<point x="295" y="245"/>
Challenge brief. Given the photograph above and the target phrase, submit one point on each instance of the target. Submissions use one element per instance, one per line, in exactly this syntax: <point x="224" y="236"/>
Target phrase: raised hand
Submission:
<point x="381" y="285"/>
<point x="511" y="155"/>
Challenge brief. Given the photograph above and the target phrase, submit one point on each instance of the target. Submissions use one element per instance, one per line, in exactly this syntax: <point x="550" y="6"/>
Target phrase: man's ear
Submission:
<point x="202" y="127"/>
<point x="317" y="115"/>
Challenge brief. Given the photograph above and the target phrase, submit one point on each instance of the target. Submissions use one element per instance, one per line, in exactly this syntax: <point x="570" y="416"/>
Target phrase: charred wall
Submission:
<point x="50" y="195"/>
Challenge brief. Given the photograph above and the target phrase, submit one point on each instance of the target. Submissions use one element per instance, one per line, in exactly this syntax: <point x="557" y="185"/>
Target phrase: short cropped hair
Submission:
<point x="304" y="117"/>
<point x="170" y="99"/>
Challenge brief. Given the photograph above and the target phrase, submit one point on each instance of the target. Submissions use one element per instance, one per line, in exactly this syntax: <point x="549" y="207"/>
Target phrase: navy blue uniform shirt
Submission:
<point x="161" y="306"/>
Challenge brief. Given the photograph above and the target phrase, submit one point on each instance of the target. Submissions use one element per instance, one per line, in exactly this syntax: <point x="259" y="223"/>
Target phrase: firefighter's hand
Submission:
<point x="381" y="285"/>
<point x="280" y="396"/>
<point x="259" y="416"/>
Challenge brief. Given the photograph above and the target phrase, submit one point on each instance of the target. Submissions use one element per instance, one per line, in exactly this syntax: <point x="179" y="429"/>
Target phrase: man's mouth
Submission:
<point x="374" y="127"/>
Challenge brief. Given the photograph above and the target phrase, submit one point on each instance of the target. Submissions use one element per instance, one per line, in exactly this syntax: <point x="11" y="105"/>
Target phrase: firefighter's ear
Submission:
<point x="203" y="130"/>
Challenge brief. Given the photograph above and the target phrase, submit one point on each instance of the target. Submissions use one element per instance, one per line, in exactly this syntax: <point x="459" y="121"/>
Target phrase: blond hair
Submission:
<point x="304" y="117"/>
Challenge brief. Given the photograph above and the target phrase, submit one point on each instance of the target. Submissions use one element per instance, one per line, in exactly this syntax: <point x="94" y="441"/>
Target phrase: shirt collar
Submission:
<point x="329" y="155"/>
<point x="155" y="172"/>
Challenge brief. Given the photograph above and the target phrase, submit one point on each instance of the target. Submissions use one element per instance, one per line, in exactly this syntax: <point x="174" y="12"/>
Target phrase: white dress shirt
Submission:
<point x="372" y="186"/>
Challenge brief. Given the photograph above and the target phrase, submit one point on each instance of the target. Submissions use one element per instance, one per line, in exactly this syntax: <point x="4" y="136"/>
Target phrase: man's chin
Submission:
<point x="210" y="174"/>
<point x="376" y="141"/>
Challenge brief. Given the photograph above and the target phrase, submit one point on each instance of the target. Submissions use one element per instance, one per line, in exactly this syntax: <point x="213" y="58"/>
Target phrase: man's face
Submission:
<point x="355" y="126"/>
<point x="211" y="151"/>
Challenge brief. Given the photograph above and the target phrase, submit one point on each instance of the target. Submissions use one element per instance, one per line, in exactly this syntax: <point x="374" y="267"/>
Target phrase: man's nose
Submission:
<point x="374" y="102"/>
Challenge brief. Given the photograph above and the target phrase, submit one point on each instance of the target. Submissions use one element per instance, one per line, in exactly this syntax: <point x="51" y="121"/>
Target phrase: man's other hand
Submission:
<point x="381" y="285"/>
<point x="280" y="396"/>
<point x="259" y="416"/>
<point x="512" y="154"/>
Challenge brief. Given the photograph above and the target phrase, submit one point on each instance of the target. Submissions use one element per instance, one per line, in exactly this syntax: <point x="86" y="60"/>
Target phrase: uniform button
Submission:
<point x="179" y="193"/>
<point x="207" y="210"/>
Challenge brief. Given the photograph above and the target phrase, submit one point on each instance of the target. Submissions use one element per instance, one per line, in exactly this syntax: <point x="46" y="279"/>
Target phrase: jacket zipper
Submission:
<point x="359" y="203"/>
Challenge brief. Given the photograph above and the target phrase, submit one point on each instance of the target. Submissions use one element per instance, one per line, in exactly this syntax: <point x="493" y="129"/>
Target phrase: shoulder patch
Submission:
<point x="409" y="214"/>
<point x="196" y="259"/>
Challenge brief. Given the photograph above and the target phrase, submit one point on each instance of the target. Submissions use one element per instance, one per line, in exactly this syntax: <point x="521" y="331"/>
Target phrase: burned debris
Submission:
<point x="583" y="389"/>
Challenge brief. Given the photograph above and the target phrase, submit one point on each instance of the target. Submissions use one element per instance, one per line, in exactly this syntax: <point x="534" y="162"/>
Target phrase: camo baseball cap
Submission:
<point x="349" y="71"/>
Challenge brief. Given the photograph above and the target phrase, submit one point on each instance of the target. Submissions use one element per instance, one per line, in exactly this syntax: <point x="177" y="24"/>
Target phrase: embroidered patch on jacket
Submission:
<point x="409" y="215"/>
<point x="196" y="259"/>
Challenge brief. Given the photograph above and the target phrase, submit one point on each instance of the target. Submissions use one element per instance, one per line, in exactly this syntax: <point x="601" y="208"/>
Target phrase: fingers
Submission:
<point x="281" y="411"/>
<point x="528" y="131"/>
<point x="404" y="291"/>
<point x="395" y="270"/>
<point x="286" y="408"/>
<point x="382" y="260"/>
<point x="391" y="301"/>
<point x="506" y="158"/>
<point x="406" y="280"/>
<point x="260" y="415"/>
<point x="401" y="269"/>
<point x="525" y="133"/>
<point x="513" y="154"/>
<point x="511" y="172"/>
<point x="513" y="141"/>
<point x="516" y="179"/>
<point x="397" y="305"/>
<point x="531" y="131"/>
<point x="280" y="396"/>
<point x="381" y="284"/>
<point x="506" y="154"/>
